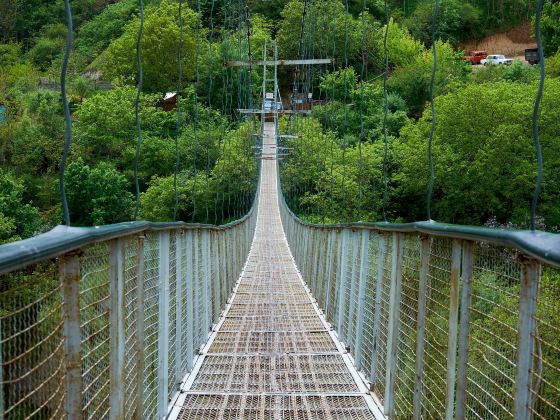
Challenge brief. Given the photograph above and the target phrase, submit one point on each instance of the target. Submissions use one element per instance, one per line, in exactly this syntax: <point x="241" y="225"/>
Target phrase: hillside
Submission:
<point x="511" y="43"/>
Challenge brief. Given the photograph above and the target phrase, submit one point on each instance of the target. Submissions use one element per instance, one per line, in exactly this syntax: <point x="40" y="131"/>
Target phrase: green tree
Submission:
<point x="553" y="65"/>
<point x="105" y="125"/>
<point x="97" y="196"/>
<point x="18" y="220"/>
<point x="412" y="81"/>
<point x="403" y="48"/>
<point x="95" y="35"/>
<point x="550" y="30"/>
<point x="49" y="46"/>
<point x="484" y="156"/>
<point x="325" y="19"/>
<point x="457" y="21"/>
<point x="159" y="49"/>
<point x="158" y="201"/>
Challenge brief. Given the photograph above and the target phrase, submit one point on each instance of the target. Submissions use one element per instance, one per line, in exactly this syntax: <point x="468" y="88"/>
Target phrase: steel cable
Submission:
<point x="385" y="112"/>
<point x="362" y="96"/>
<point x="209" y="117"/>
<point x="195" y="122"/>
<point x="434" y="121"/>
<point x="137" y="108"/>
<point x="179" y="122"/>
<point x="225" y="113"/>
<point x="67" y="117"/>
<point x="332" y="103"/>
<point x="536" y="139"/>
<point x="345" y="125"/>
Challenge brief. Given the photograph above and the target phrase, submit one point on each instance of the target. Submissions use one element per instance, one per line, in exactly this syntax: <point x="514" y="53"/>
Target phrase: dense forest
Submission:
<point x="484" y="157"/>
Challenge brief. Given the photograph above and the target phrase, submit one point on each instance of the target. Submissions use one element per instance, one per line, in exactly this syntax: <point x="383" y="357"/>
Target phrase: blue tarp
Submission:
<point x="3" y="116"/>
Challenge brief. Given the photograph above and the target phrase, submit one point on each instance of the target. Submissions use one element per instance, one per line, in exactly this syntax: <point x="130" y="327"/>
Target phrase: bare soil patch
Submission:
<point x="511" y="43"/>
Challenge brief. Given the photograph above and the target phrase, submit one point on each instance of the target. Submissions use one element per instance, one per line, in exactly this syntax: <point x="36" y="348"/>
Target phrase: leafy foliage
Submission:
<point x="159" y="49"/>
<point x="484" y="156"/>
<point x="457" y="21"/>
<point x="550" y="30"/>
<point x="97" y="196"/>
<point x="17" y="219"/>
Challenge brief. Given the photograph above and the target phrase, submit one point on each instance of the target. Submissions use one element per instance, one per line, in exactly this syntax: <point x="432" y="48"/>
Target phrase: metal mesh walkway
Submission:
<point x="273" y="356"/>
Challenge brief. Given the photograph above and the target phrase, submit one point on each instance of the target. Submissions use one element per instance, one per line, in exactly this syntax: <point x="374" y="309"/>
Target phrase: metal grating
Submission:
<point x="265" y="373"/>
<point x="271" y="298"/>
<point x="278" y="309"/>
<point x="261" y="407"/>
<point x="273" y="323"/>
<point x="273" y="342"/>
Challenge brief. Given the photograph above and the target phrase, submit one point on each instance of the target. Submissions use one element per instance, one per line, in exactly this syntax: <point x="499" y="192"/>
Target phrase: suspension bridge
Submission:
<point x="274" y="317"/>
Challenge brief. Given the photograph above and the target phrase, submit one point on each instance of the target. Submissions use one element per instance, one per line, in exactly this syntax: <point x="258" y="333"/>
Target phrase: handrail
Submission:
<point x="443" y="320"/>
<point x="63" y="239"/>
<point x="82" y="307"/>
<point x="543" y="246"/>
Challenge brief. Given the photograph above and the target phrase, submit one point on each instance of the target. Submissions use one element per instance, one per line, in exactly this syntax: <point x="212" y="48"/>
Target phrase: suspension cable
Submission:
<point x="249" y="56"/>
<point x="345" y="125"/>
<point x="209" y="117"/>
<point x="538" y="100"/>
<point x="179" y="122"/>
<point x="434" y="121"/>
<point x="362" y="96"/>
<point x="225" y="118"/>
<point x="137" y="108"/>
<point x="67" y="118"/>
<point x="385" y="112"/>
<point x="195" y="122"/>
<point x="332" y="103"/>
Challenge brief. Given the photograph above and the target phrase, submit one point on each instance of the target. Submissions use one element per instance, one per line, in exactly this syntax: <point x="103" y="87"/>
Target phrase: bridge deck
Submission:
<point x="273" y="355"/>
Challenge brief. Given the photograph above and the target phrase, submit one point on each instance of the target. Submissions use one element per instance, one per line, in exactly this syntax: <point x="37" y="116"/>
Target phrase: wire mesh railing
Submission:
<point x="106" y="322"/>
<point x="443" y="321"/>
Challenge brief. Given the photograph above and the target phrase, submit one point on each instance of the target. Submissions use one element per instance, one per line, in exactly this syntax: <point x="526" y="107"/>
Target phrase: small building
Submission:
<point x="170" y="101"/>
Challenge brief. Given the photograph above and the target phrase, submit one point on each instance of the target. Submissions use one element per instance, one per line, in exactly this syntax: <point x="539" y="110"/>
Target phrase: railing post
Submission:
<point x="179" y="283"/>
<point x="223" y="269"/>
<point x="466" y="292"/>
<point x="530" y="276"/>
<point x="342" y="286"/>
<point x="140" y="328"/>
<point x="235" y="240"/>
<point x="206" y="263"/>
<point x="453" y="327"/>
<point x="393" y="327"/>
<point x="421" y="324"/>
<point x="197" y="317"/>
<point x="190" y="301"/>
<point x="216" y="276"/>
<point x="163" y="333"/>
<point x="329" y="274"/>
<point x="311" y="261"/>
<point x="352" y="302"/>
<point x="304" y="262"/>
<point x="116" y="328"/>
<point x="377" y="310"/>
<point x="227" y="260"/>
<point x="69" y="271"/>
<point x="364" y="260"/>
<point x="320" y="255"/>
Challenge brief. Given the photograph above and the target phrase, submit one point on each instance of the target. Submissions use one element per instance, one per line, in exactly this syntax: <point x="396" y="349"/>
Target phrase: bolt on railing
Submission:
<point x="444" y="322"/>
<point x="110" y="329"/>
